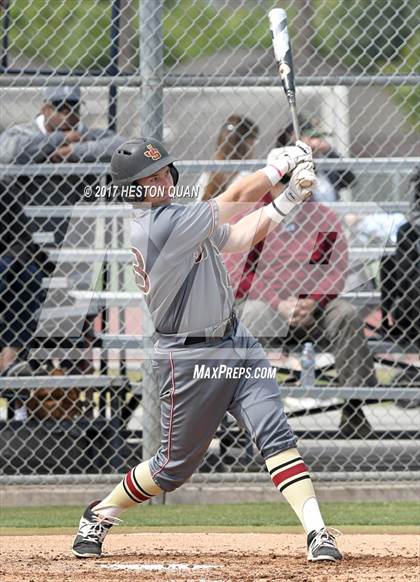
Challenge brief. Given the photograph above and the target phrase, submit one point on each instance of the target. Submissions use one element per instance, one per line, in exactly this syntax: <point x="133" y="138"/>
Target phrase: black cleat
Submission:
<point x="92" y="531"/>
<point x="322" y="546"/>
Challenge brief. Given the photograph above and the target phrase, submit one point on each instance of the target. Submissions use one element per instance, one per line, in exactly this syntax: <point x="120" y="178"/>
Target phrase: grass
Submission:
<point x="247" y="517"/>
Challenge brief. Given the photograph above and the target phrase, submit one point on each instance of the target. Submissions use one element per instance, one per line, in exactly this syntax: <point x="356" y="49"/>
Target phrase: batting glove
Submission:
<point x="299" y="189"/>
<point x="302" y="183"/>
<point x="286" y="159"/>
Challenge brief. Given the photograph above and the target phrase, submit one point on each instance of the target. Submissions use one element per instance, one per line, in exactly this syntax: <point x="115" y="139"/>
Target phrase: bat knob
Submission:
<point x="306" y="183"/>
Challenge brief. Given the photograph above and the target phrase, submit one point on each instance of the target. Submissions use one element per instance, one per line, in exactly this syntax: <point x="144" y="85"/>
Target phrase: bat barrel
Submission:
<point x="283" y="54"/>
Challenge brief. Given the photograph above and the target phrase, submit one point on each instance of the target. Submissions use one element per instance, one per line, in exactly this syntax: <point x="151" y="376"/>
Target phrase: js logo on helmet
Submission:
<point x="152" y="152"/>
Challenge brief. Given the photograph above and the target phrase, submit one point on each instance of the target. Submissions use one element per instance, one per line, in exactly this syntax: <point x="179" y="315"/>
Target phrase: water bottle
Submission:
<point x="307" y="377"/>
<point x="20" y="412"/>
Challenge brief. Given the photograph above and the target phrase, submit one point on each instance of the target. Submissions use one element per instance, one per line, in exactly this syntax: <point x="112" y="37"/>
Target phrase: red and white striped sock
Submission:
<point x="291" y="477"/>
<point x="136" y="487"/>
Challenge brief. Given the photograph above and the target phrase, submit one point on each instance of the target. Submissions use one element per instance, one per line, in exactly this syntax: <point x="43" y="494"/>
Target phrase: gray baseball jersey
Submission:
<point x="178" y="266"/>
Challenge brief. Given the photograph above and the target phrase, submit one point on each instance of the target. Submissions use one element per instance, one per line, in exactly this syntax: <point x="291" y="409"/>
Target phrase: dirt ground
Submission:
<point x="199" y="557"/>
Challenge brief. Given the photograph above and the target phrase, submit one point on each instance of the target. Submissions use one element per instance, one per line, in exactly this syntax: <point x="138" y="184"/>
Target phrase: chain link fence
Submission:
<point x="78" y="395"/>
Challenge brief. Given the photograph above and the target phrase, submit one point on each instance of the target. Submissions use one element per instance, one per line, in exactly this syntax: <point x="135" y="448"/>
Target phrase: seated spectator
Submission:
<point x="236" y="141"/>
<point x="22" y="267"/>
<point x="20" y="300"/>
<point x="329" y="182"/>
<point x="400" y="276"/>
<point x="56" y="135"/>
<point x="288" y="288"/>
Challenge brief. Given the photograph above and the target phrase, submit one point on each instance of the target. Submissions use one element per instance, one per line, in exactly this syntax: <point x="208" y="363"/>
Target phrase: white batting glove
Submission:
<point x="302" y="183"/>
<point x="286" y="159"/>
<point x="299" y="189"/>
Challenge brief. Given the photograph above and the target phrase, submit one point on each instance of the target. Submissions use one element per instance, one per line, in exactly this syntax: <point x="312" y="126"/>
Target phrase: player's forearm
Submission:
<point x="242" y="195"/>
<point x="254" y="227"/>
<point x="249" y="231"/>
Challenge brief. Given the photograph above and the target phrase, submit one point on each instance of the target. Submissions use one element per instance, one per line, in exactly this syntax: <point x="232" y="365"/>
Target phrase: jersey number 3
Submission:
<point x="142" y="278"/>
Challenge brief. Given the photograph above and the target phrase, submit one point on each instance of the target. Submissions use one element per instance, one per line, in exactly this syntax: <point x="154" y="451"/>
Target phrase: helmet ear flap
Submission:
<point x="174" y="174"/>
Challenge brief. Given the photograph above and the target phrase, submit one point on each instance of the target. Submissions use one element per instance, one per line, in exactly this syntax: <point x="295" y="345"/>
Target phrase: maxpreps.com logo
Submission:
<point x="152" y="152"/>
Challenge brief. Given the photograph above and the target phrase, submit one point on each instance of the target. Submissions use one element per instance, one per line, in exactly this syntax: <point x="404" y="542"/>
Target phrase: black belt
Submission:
<point x="201" y="337"/>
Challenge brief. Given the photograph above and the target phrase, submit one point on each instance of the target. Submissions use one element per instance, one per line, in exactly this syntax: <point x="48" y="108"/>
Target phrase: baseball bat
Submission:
<point x="283" y="54"/>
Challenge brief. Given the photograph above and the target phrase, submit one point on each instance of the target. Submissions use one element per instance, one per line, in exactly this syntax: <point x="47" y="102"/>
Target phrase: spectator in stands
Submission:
<point x="330" y="182"/>
<point x="56" y="135"/>
<point x="400" y="276"/>
<point x="21" y="294"/>
<point x="20" y="300"/>
<point x="236" y="141"/>
<point x="288" y="288"/>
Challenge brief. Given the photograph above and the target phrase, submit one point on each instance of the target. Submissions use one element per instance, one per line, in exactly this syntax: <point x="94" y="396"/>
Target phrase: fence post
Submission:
<point x="151" y="404"/>
<point x="151" y="112"/>
<point x="112" y="69"/>
<point x="151" y="68"/>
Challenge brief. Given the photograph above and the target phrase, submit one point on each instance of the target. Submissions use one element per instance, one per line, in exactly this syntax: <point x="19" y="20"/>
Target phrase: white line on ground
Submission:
<point x="158" y="567"/>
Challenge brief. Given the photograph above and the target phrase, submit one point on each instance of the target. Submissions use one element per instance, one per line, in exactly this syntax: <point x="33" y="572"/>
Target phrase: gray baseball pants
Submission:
<point x="193" y="407"/>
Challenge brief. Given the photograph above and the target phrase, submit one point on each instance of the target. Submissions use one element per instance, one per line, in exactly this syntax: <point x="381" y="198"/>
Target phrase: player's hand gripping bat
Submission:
<point x="283" y="54"/>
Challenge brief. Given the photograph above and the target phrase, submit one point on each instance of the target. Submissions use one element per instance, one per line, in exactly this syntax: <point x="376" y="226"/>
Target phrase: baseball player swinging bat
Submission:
<point x="283" y="54"/>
